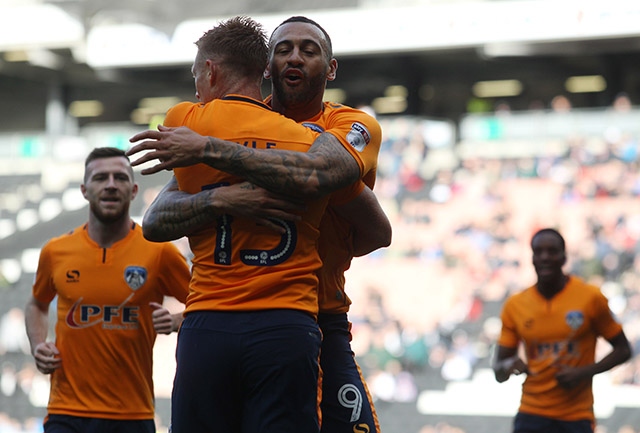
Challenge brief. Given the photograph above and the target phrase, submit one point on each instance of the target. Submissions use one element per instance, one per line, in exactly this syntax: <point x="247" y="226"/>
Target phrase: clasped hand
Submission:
<point x="172" y="147"/>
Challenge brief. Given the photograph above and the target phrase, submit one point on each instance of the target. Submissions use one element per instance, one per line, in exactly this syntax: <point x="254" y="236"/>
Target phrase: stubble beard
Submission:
<point x="108" y="217"/>
<point x="291" y="98"/>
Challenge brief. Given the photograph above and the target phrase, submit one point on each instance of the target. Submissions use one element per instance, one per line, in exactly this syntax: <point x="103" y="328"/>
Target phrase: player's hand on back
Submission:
<point x="249" y="201"/>
<point x="172" y="147"/>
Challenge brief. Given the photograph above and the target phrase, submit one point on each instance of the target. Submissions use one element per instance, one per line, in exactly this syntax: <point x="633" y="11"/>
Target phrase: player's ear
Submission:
<point x="134" y="191"/>
<point x="267" y="73"/>
<point x="212" y="69"/>
<point x="333" y="69"/>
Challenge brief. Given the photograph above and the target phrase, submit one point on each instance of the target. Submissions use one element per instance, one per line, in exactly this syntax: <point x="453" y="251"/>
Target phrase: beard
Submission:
<point x="111" y="216"/>
<point x="300" y="95"/>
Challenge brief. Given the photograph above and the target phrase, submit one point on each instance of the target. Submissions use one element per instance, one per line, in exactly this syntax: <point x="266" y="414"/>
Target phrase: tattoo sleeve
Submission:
<point x="174" y="214"/>
<point x="325" y="168"/>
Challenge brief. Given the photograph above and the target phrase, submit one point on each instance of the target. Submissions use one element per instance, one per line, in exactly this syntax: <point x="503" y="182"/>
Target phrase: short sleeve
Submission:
<point x="508" y="335"/>
<point x="43" y="287"/>
<point x="359" y="133"/>
<point x="175" y="273"/>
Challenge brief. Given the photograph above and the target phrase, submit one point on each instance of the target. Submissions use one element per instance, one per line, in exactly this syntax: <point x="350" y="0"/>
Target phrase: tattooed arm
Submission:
<point x="174" y="213"/>
<point x="326" y="167"/>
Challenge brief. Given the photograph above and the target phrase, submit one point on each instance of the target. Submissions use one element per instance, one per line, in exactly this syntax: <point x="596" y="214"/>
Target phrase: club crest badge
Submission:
<point x="574" y="319"/>
<point x="135" y="276"/>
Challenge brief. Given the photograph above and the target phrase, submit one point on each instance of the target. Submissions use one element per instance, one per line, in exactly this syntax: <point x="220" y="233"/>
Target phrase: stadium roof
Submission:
<point x="55" y="52"/>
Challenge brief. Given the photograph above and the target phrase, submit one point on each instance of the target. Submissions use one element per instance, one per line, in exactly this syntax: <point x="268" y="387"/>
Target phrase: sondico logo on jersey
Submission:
<point x="73" y="276"/>
<point x="110" y="316"/>
<point x="358" y="136"/>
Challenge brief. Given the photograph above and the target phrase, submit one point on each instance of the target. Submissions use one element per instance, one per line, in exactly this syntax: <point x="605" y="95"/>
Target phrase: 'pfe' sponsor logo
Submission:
<point x="554" y="350"/>
<point x="358" y="136"/>
<point x="111" y="316"/>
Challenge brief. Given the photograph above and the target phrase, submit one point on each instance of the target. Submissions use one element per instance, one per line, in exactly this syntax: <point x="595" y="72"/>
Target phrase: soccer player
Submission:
<point x="248" y="349"/>
<point x="558" y="321"/>
<point x="110" y="283"/>
<point x="301" y="62"/>
<point x="301" y="55"/>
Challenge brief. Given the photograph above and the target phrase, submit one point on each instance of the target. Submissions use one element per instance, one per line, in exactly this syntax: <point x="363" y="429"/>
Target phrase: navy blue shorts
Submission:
<point x="75" y="424"/>
<point x="527" y="423"/>
<point x="346" y="402"/>
<point x="246" y="372"/>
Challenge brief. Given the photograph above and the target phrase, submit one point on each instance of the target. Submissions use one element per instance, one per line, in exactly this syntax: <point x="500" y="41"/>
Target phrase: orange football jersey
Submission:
<point x="562" y="330"/>
<point x="237" y="264"/>
<point x="104" y="327"/>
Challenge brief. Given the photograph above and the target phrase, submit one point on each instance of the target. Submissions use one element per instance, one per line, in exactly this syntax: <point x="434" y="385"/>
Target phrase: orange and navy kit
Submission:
<point x="104" y="329"/>
<point x="559" y="331"/>
<point x="346" y="404"/>
<point x="272" y="279"/>
<point x="250" y="339"/>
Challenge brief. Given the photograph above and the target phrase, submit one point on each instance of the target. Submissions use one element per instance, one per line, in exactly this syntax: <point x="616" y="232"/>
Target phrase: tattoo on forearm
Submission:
<point x="175" y="214"/>
<point x="325" y="168"/>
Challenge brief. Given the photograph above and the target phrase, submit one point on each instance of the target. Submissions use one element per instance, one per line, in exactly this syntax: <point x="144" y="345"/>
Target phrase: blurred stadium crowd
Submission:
<point x="425" y="311"/>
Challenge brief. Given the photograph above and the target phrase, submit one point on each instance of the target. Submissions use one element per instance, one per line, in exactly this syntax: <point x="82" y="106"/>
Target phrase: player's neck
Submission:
<point x="297" y="111"/>
<point x="107" y="234"/>
<point x="550" y="288"/>
<point x="239" y="87"/>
